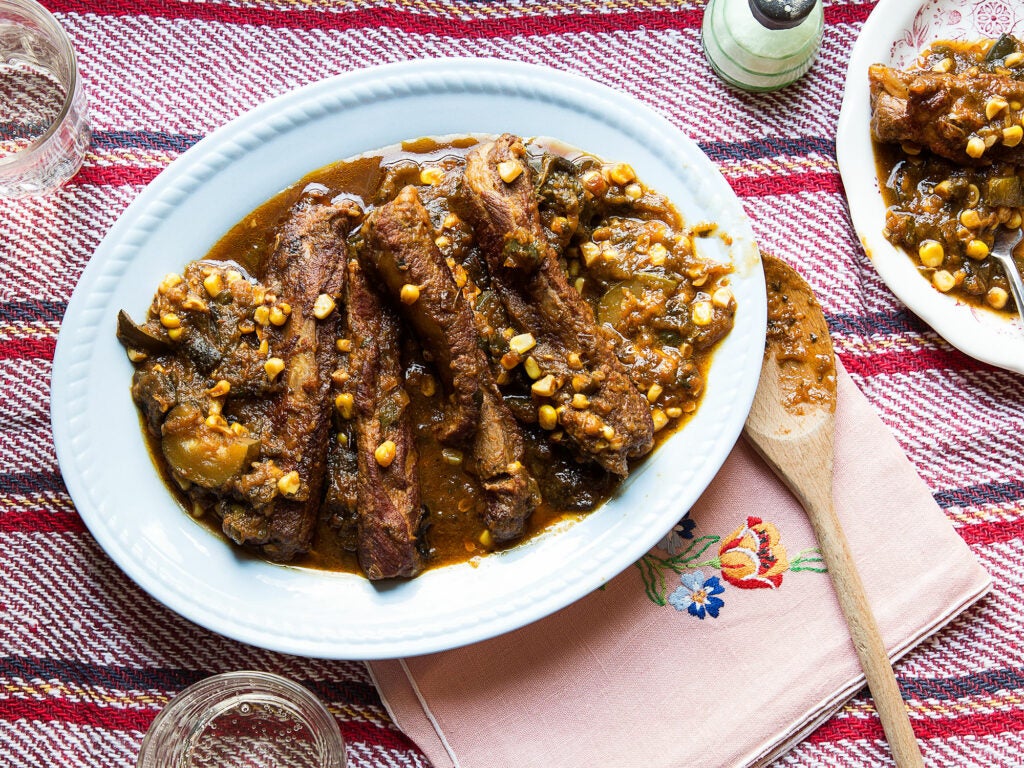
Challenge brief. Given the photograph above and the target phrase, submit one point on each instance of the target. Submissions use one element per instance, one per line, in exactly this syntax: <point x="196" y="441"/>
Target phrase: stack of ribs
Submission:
<point x="343" y="423"/>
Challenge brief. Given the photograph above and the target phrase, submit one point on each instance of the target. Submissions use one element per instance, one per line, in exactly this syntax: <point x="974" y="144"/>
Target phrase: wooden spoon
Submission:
<point x="791" y="425"/>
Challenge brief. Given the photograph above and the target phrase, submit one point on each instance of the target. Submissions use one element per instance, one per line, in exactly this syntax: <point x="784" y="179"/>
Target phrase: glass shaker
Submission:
<point x="761" y="45"/>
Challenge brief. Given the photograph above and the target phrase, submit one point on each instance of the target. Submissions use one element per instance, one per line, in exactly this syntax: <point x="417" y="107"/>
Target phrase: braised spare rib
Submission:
<point x="950" y="114"/>
<point x="283" y="491"/>
<point x="402" y="254"/>
<point x="388" y="493"/>
<point x="610" y="421"/>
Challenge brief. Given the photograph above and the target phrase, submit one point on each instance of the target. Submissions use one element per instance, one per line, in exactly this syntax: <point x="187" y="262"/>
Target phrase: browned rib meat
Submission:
<point x="616" y="424"/>
<point x="942" y="112"/>
<point x="390" y="513"/>
<point x="401" y="252"/>
<point x="307" y="262"/>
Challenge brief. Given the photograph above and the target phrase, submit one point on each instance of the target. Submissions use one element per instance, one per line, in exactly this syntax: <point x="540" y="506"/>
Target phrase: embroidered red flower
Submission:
<point x="752" y="556"/>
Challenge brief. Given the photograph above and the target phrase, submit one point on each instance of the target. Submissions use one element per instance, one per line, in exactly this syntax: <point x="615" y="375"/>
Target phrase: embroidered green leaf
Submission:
<point x="654" y="579"/>
<point x="808" y="560"/>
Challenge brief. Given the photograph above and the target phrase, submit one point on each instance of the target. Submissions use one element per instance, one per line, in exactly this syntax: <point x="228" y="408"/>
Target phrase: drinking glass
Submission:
<point x="243" y="720"/>
<point x="44" y="130"/>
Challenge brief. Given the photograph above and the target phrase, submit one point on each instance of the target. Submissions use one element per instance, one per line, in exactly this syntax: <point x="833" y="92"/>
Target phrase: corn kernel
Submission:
<point x="996" y="297"/>
<point x="219" y="389"/>
<point x="654" y="393"/>
<point x="215" y="421"/>
<point x="580" y="382"/>
<point x="137" y="355"/>
<point x="702" y="313"/>
<point x="579" y="283"/>
<point x="451" y="456"/>
<point x="580" y="401"/>
<point x="621" y="173"/>
<point x="970" y="218"/>
<point x="547" y="417"/>
<point x="432" y="175"/>
<point x="657" y="254"/>
<point x="943" y="280"/>
<point x="573" y="361"/>
<point x="486" y="540"/>
<point x="176" y="333"/>
<point x="1014" y="221"/>
<point x="1013" y="135"/>
<point x="943" y="189"/>
<point x="277" y="317"/>
<point x="428" y="386"/>
<point x="943" y="66"/>
<point x="510" y="360"/>
<point x="994" y="106"/>
<point x="532" y="368"/>
<point x="261" y="315"/>
<point x="931" y="253"/>
<point x="522" y="343"/>
<point x="264" y="347"/>
<point x="594" y="182"/>
<point x="1014" y="59"/>
<point x="239" y="429"/>
<point x="442" y="242"/>
<point x="975" y="147"/>
<point x="509" y="170"/>
<point x="608" y="432"/>
<point x="344" y="403"/>
<point x="674" y="412"/>
<point x="544" y="387"/>
<point x="450" y="221"/>
<point x="213" y="284"/>
<point x="170" y="320"/>
<point x="169" y="282"/>
<point x="633" y="191"/>
<point x="409" y="294"/>
<point x="343" y="345"/>
<point x="273" y="367"/>
<point x="289" y="484"/>
<point x="977" y="249"/>
<point x="590" y="252"/>
<point x="323" y="306"/>
<point x="659" y="418"/>
<point x="722" y="298"/>
<point x="232" y="276"/>
<point x="342" y="439"/>
<point x="385" y="453"/>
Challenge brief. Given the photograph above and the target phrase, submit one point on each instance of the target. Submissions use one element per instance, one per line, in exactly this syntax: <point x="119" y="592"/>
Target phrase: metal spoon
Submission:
<point x="1002" y="251"/>
<point x="791" y="424"/>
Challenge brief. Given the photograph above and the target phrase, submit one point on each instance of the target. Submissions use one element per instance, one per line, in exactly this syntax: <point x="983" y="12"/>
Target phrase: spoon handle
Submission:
<point x="864" y="630"/>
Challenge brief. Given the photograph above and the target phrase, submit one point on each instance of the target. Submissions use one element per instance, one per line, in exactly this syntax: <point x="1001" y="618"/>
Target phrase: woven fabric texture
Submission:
<point x="87" y="659"/>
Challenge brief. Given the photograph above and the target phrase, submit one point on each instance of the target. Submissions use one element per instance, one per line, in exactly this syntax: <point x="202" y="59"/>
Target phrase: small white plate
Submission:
<point x="893" y="35"/>
<point x="202" y="194"/>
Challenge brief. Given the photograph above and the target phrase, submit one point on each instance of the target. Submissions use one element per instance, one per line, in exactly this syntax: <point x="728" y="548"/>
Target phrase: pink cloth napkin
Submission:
<point x="727" y="653"/>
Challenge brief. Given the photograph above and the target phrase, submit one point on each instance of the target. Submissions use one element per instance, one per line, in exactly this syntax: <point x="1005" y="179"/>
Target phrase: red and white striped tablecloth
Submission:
<point x="87" y="659"/>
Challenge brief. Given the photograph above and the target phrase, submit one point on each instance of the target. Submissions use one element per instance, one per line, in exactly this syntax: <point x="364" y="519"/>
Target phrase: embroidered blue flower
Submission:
<point x="673" y="542"/>
<point x="698" y="595"/>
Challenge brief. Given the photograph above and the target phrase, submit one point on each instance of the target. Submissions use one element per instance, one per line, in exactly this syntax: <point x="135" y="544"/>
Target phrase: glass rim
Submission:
<point x="45" y="17"/>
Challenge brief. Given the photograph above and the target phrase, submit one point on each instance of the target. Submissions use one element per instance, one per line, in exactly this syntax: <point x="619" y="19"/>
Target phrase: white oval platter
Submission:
<point x="185" y="210"/>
